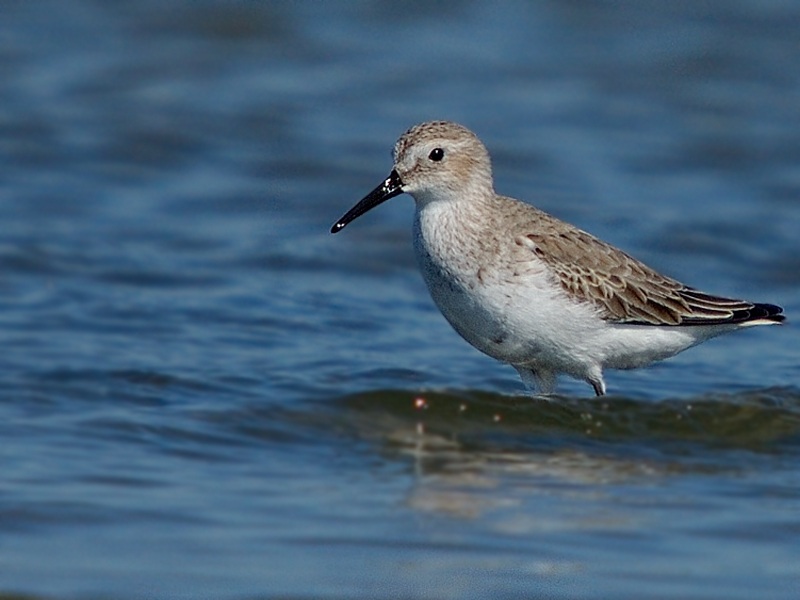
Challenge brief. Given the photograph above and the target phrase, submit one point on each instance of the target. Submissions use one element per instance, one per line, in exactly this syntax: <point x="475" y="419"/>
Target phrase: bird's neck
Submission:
<point x="447" y="232"/>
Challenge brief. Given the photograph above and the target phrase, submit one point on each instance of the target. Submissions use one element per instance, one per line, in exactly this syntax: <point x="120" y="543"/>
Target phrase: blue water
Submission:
<point x="206" y="395"/>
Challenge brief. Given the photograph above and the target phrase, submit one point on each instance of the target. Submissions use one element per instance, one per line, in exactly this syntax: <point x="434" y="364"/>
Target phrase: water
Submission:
<point x="204" y="394"/>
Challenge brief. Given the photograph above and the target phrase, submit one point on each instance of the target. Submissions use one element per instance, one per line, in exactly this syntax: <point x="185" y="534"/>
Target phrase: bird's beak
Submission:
<point x="390" y="188"/>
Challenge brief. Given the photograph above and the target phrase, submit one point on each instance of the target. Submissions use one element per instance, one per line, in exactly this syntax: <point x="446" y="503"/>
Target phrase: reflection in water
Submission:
<point x="475" y="454"/>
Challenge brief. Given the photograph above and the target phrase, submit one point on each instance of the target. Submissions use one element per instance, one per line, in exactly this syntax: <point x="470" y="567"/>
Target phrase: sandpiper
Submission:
<point x="531" y="290"/>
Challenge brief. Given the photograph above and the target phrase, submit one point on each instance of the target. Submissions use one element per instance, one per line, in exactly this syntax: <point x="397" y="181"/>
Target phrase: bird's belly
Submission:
<point x="517" y="324"/>
<point x="479" y="321"/>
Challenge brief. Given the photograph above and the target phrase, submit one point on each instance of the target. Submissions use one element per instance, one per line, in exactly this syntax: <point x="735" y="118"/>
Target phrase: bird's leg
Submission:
<point x="599" y="386"/>
<point x="542" y="381"/>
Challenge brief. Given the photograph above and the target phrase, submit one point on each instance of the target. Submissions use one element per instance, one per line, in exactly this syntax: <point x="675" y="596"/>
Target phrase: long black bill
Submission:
<point x="388" y="189"/>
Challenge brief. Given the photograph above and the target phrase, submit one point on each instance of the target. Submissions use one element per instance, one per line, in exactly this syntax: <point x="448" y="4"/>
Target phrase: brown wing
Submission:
<point x="626" y="290"/>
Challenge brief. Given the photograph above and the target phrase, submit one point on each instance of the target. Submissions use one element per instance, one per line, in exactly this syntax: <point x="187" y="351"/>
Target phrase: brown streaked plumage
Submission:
<point x="624" y="289"/>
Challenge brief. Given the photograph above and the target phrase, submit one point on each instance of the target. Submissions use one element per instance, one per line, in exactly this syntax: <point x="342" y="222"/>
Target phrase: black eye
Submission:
<point x="436" y="154"/>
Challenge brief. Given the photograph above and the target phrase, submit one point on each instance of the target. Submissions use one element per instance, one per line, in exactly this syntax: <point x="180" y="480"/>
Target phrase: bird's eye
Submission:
<point x="436" y="154"/>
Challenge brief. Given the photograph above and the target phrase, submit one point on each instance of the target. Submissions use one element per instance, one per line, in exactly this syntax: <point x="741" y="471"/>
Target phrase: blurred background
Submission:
<point x="205" y="394"/>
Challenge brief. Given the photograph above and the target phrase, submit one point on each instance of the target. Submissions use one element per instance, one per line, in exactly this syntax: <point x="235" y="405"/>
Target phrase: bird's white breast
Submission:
<point x="494" y="292"/>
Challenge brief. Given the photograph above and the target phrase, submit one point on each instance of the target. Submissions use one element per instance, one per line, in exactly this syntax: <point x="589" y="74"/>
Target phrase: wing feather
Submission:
<point x="625" y="290"/>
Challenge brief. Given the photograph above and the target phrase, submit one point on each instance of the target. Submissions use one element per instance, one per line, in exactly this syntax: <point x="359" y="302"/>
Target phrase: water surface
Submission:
<point x="204" y="394"/>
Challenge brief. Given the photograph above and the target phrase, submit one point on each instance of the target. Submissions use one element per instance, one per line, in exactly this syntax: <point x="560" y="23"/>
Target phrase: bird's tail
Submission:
<point x="764" y="314"/>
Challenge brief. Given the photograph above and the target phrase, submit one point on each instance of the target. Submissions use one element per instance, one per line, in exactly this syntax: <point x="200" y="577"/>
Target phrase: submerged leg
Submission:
<point x="542" y="381"/>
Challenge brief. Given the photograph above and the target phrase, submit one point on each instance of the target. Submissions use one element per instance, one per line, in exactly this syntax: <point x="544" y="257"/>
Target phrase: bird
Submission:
<point x="534" y="291"/>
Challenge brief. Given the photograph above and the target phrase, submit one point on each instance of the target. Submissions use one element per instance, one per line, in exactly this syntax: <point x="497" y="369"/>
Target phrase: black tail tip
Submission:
<point x="767" y="312"/>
